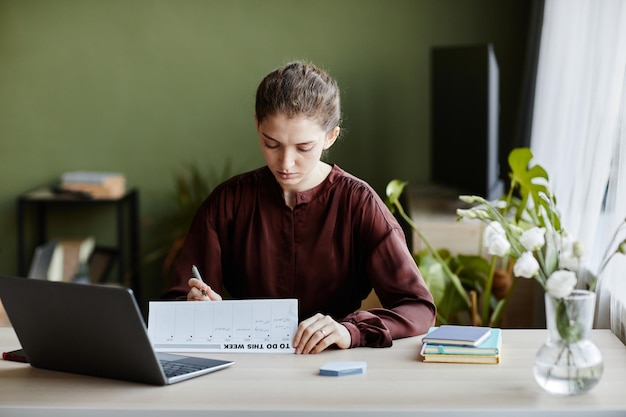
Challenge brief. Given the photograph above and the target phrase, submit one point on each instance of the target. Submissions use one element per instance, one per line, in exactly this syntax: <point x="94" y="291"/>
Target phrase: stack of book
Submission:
<point x="95" y="184"/>
<point x="59" y="259"/>
<point x="462" y="344"/>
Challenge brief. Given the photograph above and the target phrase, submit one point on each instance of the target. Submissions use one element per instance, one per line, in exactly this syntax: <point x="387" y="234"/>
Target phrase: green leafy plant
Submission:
<point x="523" y="238"/>
<point x="454" y="281"/>
<point x="192" y="187"/>
<point x="528" y="231"/>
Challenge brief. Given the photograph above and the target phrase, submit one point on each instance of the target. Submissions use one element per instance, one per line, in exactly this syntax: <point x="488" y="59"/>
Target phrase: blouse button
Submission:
<point x="302" y="197"/>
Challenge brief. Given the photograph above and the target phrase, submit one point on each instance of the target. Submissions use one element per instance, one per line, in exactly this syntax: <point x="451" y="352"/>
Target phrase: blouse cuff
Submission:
<point x="367" y="329"/>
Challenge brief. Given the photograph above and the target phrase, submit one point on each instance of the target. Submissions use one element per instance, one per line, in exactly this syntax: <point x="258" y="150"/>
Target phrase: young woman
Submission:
<point x="301" y="228"/>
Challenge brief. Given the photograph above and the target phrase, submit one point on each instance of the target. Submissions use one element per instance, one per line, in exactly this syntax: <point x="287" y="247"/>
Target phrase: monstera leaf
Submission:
<point x="531" y="182"/>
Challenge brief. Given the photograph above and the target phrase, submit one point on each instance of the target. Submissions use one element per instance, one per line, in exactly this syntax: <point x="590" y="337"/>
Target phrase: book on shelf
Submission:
<point x="489" y="347"/>
<point x="59" y="259"/>
<point x="100" y="264"/>
<point x="452" y="334"/>
<point x="76" y="252"/>
<point x="47" y="262"/>
<point x="96" y="184"/>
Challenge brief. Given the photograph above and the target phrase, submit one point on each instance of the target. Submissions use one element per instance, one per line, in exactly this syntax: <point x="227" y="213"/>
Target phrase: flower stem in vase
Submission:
<point x="568" y="363"/>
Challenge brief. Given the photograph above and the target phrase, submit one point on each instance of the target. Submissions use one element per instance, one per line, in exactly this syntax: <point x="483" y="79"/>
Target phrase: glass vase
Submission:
<point x="568" y="363"/>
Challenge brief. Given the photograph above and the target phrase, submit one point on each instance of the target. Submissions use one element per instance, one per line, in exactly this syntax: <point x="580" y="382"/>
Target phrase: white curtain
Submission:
<point x="579" y="132"/>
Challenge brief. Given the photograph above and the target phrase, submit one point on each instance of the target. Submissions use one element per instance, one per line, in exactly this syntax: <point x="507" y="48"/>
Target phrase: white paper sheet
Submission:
<point x="223" y="326"/>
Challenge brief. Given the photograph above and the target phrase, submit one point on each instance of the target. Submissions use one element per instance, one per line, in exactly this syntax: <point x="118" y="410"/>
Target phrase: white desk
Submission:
<point x="396" y="383"/>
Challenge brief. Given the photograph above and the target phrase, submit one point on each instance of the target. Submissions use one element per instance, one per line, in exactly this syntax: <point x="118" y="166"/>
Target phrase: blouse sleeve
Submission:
<point x="201" y="248"/>
<point x="407" y="309"/>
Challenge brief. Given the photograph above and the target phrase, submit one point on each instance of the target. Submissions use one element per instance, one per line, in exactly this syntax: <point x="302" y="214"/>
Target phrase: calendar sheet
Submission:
<point x="266" y="325"/>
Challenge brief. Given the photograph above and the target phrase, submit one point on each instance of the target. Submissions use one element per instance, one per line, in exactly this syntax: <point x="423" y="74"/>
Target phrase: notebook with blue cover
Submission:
<point x="490" y="347"/>
<point x="451" y="334"/>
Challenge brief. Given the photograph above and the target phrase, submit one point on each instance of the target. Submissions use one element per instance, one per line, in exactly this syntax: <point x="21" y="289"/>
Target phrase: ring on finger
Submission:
<point x="323" y="332"/>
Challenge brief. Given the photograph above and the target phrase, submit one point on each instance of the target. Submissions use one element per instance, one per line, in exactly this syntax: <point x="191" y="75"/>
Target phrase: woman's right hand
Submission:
<point x="199" y="291"/>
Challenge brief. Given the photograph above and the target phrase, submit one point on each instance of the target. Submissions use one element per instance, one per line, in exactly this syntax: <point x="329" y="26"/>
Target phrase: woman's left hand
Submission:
<point x="319" y="332"/>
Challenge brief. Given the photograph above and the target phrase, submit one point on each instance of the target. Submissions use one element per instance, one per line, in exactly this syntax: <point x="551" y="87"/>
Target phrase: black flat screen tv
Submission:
<point x="465" y="113"/>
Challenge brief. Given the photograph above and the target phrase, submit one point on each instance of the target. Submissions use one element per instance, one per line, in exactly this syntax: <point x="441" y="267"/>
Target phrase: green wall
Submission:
<point x="146" y="86"/>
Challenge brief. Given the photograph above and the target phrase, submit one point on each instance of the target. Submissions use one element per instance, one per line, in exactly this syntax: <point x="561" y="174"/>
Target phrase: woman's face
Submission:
<point x="292" y="148"/>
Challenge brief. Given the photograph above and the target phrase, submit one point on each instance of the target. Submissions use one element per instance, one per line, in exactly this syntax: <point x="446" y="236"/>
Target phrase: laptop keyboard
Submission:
<point x="172" y="369"/>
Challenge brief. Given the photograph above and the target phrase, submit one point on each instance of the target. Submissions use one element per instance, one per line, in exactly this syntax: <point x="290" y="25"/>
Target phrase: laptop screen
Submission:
<point x="85" y="329"/>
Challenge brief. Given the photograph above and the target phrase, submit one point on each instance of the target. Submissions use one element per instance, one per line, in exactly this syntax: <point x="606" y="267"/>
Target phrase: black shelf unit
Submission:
<point x="34" y="205"/>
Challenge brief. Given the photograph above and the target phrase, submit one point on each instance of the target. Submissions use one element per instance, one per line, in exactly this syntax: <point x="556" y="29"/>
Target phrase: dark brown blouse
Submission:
<point x="338" y="242"/>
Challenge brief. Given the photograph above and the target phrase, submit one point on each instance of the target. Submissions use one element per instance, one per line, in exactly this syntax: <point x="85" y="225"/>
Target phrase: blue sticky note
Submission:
<point x="343" y="368"/>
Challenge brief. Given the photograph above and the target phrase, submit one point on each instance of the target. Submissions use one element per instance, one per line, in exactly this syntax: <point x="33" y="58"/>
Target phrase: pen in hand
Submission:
<point x="196" y="274"/>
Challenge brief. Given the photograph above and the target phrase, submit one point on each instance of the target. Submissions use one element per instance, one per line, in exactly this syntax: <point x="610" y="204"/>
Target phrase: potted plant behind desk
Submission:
<point x="457" y="282"/>
<point x="191" y="189"/>
<point x="480" y="286"/>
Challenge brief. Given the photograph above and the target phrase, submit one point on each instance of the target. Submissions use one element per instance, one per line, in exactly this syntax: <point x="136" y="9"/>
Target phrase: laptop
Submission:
<point x="91" y="330"/>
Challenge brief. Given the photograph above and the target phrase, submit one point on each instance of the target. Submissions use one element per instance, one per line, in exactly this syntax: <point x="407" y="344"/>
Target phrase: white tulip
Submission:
<point x="526" y="266"/>
<point x="561" y="283"/>
<point x="569" y="251"/>
<point x="495" y="240"/>
<point x="533" y="239"/>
